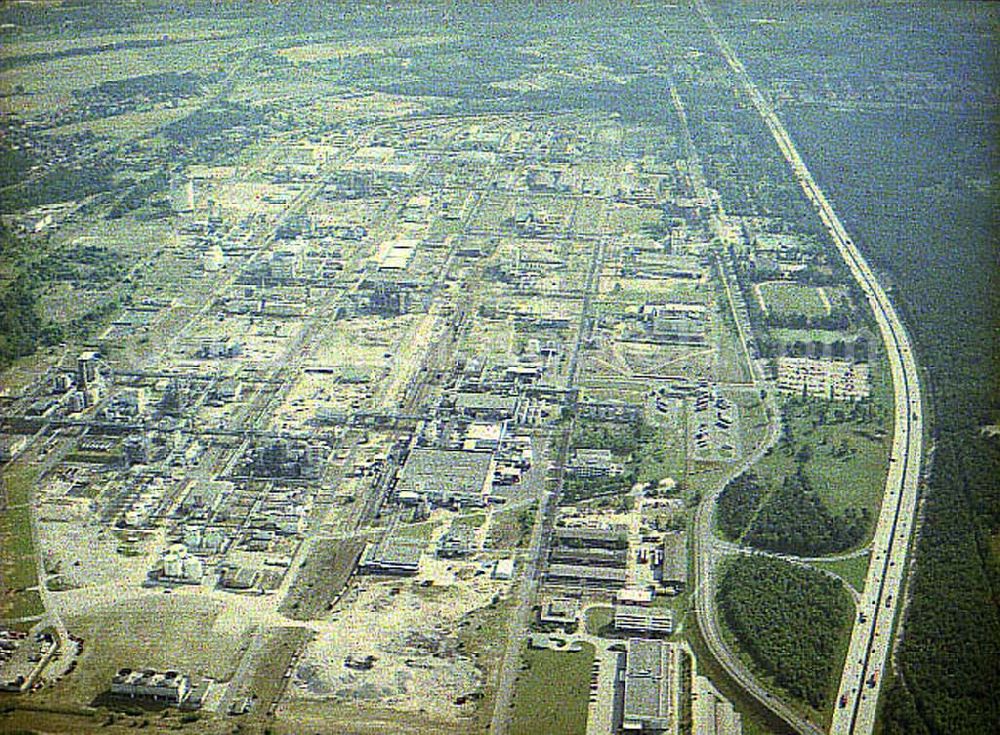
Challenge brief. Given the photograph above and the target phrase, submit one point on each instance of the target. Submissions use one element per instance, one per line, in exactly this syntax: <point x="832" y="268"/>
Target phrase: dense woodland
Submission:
<point x="794" y="520"/>
<point x="22" y="327"/>
<point x="950" y="651"/>
<point x="737" y="504"/>
<point x="788" y="619"/>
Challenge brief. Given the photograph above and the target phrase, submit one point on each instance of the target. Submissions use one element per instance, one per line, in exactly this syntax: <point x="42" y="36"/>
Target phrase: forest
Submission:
<point x="22" y="327"/>
<point x="789" y="620"/>
<point x="737" y="503"/>
<point x="949" y="298"/>
<point x="794" y="520"/>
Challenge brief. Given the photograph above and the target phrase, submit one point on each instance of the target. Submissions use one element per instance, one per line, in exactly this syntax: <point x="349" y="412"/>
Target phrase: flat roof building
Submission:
<point x="489" y="406"/>
<point x="576" y="575"/>
<point x="617" y="558"/>
<point x="594" y="538"/>
<point x="447" y="476"/>
<point x="651" y="668"/>
<point x="167" y="686"/>
<point x="645" y="620"/>
<point x="391" y="555"/>
<point x="503" y="569"/>
<point x="711" y="713"/>
<point x="674" y="568"/>
<point x="560" y="611"/>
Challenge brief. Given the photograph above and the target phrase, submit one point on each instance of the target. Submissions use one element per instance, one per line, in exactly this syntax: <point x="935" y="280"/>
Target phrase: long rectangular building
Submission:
<point x="646" y="620"/>
<point x="576" y="575"/>
<point x="674" y="568"/>
<point x="617" y="558"/>
<point x="591" y="538"/>
<point x="651" y="668"/>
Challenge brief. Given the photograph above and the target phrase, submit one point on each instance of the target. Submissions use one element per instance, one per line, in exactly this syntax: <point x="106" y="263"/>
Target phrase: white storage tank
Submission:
<point x="173" y="566"/>
<point x="193" y="569"/>
<point x="213" y="260"/>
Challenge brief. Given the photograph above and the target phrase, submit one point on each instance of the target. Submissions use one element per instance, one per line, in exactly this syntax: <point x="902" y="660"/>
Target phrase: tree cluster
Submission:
<point x="794" y="520"/>
<point x="789" y="620"/>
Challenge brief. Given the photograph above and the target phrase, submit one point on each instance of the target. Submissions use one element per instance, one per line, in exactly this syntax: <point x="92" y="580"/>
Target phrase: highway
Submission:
<point x="871" y="638"/>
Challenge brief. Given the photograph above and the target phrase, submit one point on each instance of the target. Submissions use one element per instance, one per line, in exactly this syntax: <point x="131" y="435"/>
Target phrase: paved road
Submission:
<point x="707" y="552"/>
<point x="871" y="638"/>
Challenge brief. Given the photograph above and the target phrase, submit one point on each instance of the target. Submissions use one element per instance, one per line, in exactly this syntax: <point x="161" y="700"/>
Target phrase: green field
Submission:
<point x="852" y="570"/>
<point x="597" y="618"/>
<point x="159" y="631"/>
<point x="846" y="461"/>
<point x="791" y="299"/>
<point x="550" y="696"/>
<point x="17" y="555"/>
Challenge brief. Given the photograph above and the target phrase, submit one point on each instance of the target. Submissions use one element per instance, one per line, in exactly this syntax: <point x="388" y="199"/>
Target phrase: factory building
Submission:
<point x="167" y="686"/>
<point x="459" y="541"/>
<point x="711" y="713"/>
<point x="593" y="463"/>
<point x="574" y="575"/>
<point x="589" y="557"/>
<point x="89" y="383"/>
<point x="486" y="406"/>
<point x="286" y="458"/>
<point x="674" y="567"/>
<point x="560" y="611"/>
<point x="392" y="556"/>
<point x="178" y="566"/>
<point x="591" y="538"/>
<point x="446" y="477"/>
<point x="219" y="347"/>
<point x="652" y="675"/>
<point x="675" y="323"/>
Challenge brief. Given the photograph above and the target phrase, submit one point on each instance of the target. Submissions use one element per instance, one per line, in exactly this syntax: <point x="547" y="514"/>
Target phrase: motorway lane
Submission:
<point x="871" y="638"/>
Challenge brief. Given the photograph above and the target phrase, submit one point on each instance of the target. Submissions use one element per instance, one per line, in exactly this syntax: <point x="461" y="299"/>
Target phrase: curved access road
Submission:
<point x="707" y="553"/>
<point x="871" y="638"/>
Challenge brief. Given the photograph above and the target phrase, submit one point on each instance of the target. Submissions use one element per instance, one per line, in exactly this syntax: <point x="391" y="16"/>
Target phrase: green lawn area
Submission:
<point x="825" y="336"/>
<point x="21" y="605"/>
<point x="551" y="693"/>
<point x="160" y="631"/>
<point x="786" y="299"/>
<point x="852" y="570"/>
<point x="17" y="556"/>
<point x="597" y="618"/>
<point x="665" y="454"/>
<point x="418" y="531"/>
<point x="847" y="460"/>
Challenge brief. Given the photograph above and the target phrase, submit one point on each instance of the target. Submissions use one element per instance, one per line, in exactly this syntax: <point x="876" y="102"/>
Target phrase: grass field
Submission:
<point x="598" y="618"/>
<point x="790" y="299"/>
<point x="158" y="631"/>
<point x="268" y="679"/>
<point x="17" y="554"/>
<point x="128" y="125"/>
<point x="825" y="336"/>
<point x="321" y="577"/>
<point x="552" y="692"/>
<point x="665" y="455"/>
<point x="852" y="570"/>
<point x="847" y="461"/>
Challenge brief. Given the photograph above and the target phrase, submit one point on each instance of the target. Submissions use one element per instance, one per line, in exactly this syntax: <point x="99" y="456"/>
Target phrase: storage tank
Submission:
<point x="193" y="569"/>
<point x="173" y="566"/>
<point x="213" y="260"/>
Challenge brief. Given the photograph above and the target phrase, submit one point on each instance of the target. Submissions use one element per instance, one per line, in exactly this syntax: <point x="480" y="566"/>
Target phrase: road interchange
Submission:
<point x="871" y="638"/>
